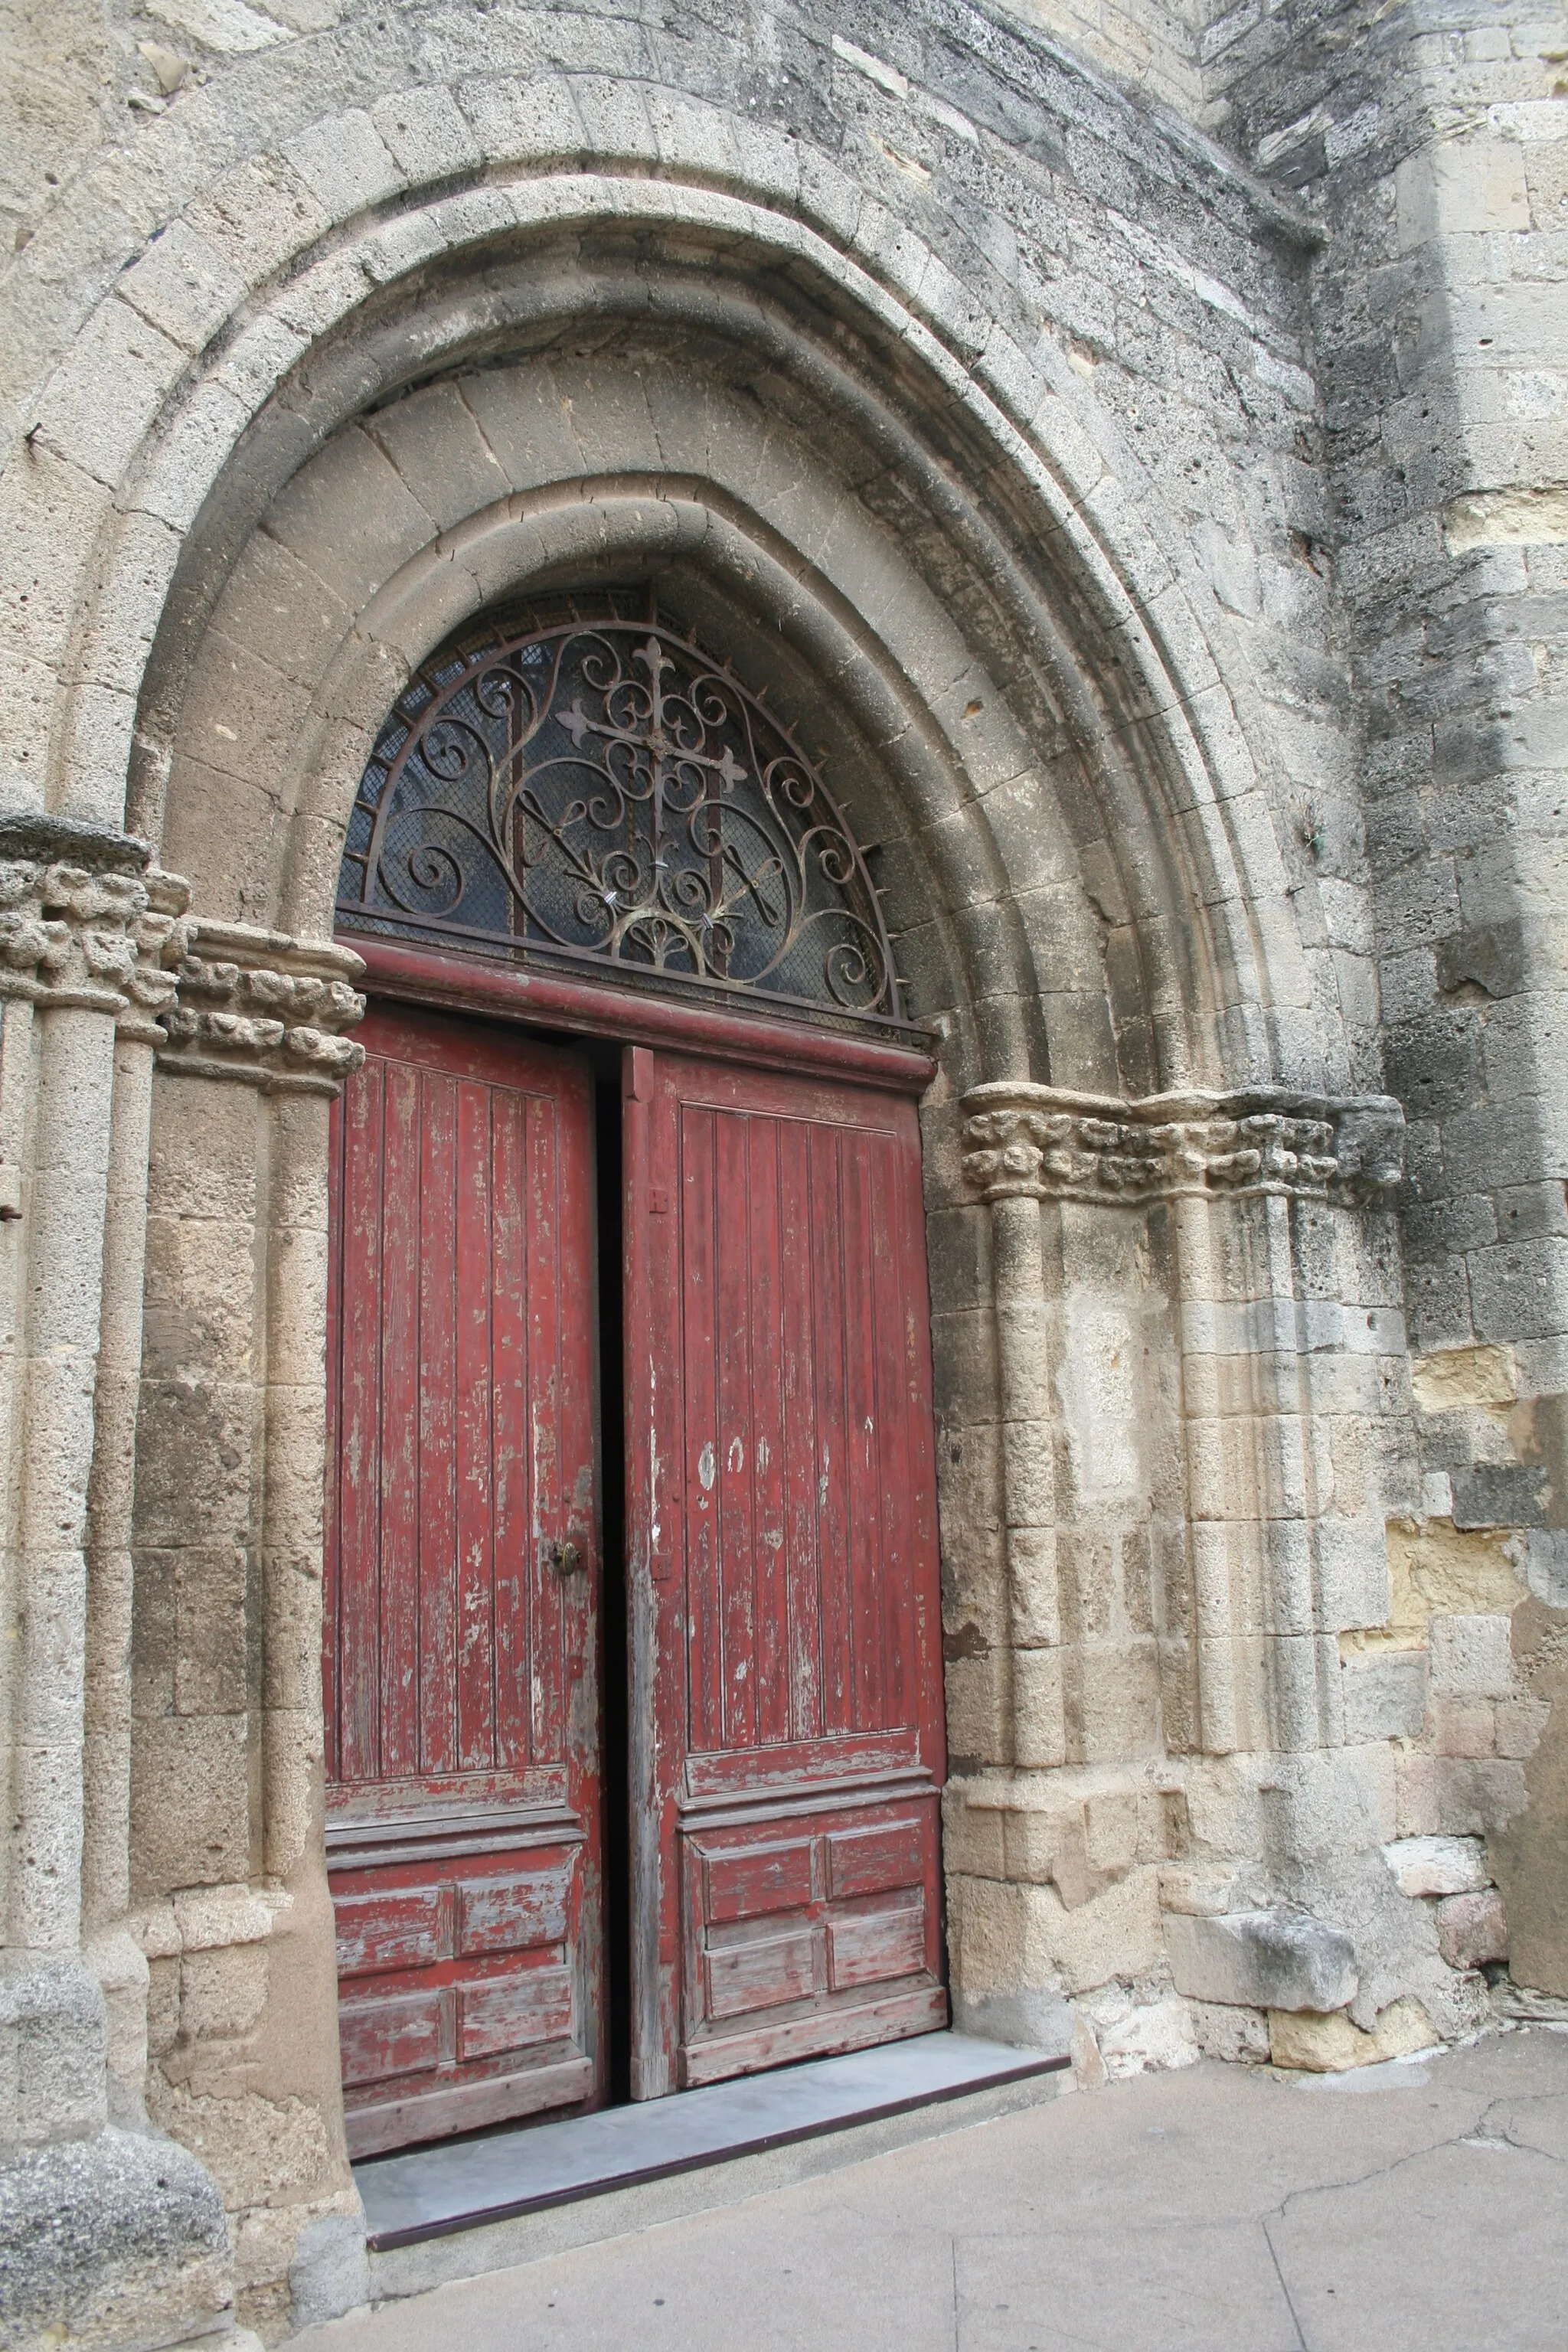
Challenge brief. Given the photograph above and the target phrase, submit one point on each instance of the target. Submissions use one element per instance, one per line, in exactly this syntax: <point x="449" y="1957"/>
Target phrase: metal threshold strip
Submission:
<point x="431" y="2192"/>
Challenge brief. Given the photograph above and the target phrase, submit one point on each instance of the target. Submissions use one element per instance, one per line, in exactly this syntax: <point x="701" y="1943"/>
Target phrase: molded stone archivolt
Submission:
<point x="263" y="1008"/>
<point x="1045" y="1144"/>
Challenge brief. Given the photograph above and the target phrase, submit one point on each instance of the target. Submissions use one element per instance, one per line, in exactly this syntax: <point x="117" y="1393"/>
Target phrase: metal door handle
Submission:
<point x="564" y="1559"/>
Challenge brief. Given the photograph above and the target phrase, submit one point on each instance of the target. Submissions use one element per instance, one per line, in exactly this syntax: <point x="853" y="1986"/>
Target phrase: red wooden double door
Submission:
<point x="783" y="1750"/>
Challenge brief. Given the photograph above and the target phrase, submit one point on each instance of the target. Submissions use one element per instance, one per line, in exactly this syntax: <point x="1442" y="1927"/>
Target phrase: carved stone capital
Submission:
<point x="163" y="936"/>
<point x="262" y="1008"/>
<point x="83" y="921"/>
<point x="1043" y="1143"/>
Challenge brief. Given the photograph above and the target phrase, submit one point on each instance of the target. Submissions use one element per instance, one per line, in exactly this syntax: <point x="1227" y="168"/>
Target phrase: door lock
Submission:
<point x="565" y="1559"/>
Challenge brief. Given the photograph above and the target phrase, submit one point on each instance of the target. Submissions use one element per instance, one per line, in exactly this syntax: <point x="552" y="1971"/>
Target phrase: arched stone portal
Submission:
<point x="353" y="361"/>
<point x="1140" y="1572"/>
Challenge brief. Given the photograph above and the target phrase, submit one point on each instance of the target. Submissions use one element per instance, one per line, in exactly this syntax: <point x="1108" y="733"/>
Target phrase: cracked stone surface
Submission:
<point x="1216" y="2209"/>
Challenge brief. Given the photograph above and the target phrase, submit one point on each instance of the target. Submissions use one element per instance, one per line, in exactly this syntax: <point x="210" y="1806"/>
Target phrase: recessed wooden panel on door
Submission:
<point x="462" y="1581"/>
<point x="784" y="1571"/>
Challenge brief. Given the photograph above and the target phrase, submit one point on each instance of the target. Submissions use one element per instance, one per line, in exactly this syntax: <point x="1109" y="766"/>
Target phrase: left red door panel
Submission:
<point x="462" y="1576"/>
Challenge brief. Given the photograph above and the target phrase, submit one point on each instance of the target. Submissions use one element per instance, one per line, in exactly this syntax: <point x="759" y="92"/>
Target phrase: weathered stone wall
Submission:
<point x="1434" y="145"/>
<point x="1125" y="441"/>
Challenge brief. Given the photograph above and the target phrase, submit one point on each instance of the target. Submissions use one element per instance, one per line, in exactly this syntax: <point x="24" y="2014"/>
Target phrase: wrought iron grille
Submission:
<point x="601" y="789"/>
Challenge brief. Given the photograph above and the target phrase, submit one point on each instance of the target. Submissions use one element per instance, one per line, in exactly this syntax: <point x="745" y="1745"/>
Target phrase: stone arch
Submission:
<point x="1089" y="914"/>
<point x="914" y="550"/>
<point x="1074" y="486"/>
<point x="1086" y="669"/>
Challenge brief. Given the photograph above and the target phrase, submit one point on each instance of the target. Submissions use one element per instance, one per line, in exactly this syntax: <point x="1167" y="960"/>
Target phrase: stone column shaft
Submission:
<point x="1232" y="1168"/>
<point x="65" y="1266"/>
<point x="1028" y="1472"/>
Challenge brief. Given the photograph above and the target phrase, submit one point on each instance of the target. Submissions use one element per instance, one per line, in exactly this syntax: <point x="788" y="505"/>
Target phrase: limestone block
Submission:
<point x="1198" y="1893"/>
<point x="191" y="455"/>
<point x="192" y="1462"/>
<point x="1415" y="1804"/>
<point x="972" y="1839"/>
<point x="1239" y="2036"/>
<point x="1518" y="1725"/>
<point x="1119" y="1698"/>
<point x="222" y="1993"/>
<point x="1331" y="1803"/>
<point x="1385" y="1694"/>
<point x="261" y="2151"/>
<point x="1140" y="2038"/>
<point x="1039" y="2020"/>
<point x="441" y="455"/>
<point x="329" y="2273"/>
<point x="291" y="1670"/>
<point x="1262" y="1959"/>
<point x="99" y="405"/>
<point x="1472" y="1929"/>
<point x="258" y="216"/>
<point x="1471" y="1657"/>
<point x="987" y="1930"/>
<point x="1463" y="1727"/>
<point x="516" y="122"/>
<point x="426" y="133"/>
<point x="53" y="2036"/>
<point x="191" y="1801"/>
<point x="345" y="164"/>
<point x="1478" y="1795"/>
<point x="116" y="2241"/>
<point x="184" y="286"/>
<point x="976" y="1709"/>
<point x="1115" y="1935"/>
<point x="1332" y="2045"/>
<point x="120" y="1966"/>
<point x="350" y="517"/>
<point x="1451" y="1379"/>
<point x="1032" y="1565"/>
<point x="1438" y="1865"/>
<point x="1111" y="1820"/>
<point x="1039" y="1734"/>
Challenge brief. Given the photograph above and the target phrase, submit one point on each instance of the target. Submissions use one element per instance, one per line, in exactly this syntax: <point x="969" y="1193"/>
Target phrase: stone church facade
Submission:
<point x="1127" y="446"/>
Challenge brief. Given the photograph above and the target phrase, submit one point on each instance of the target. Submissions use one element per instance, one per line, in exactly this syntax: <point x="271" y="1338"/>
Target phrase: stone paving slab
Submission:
<point x="1214" y="2209"/>
<point x="437" y="2189"/>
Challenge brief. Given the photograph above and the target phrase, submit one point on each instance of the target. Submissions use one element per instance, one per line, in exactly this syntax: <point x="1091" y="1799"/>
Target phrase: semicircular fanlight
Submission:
<point x="601" y="792"/>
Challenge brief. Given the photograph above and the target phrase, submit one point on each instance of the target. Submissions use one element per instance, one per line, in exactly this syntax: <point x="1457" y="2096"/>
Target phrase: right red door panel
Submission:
<point x="787" y="1717"/>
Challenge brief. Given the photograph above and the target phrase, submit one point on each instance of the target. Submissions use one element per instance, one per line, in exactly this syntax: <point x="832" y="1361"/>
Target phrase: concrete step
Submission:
<point x="456" y="2210"/>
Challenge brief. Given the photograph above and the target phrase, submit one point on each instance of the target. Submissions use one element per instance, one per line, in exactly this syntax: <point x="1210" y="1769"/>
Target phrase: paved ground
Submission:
<point x="1421" y="2206"/>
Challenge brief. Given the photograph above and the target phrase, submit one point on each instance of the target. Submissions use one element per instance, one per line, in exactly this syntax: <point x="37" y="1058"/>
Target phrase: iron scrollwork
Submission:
<point x="603" y="789"/>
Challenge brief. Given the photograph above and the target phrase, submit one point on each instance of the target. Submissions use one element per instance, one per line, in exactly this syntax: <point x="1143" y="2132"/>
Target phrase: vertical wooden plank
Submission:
<point x="737" y="1556"/>
<point x="359" y="1644"/>
<point x="400" y="1563"/>
<point x="476" y="1517"/>
<point x="562" y="1139"/>
<point x="833" y="1467"/>
<point x="697" y="1341"/>
<point x="550" y="1595"/>
<point x="513" y="1212"/>
<point x="803" y="1566"/>
<point x="768" y="1274"/>
<point x="860" y="1407"/>
<point x="438" y="1401"/>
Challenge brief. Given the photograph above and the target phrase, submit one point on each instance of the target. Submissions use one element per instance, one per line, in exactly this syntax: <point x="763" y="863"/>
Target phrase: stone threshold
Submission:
<point x="434" y="2193"/>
